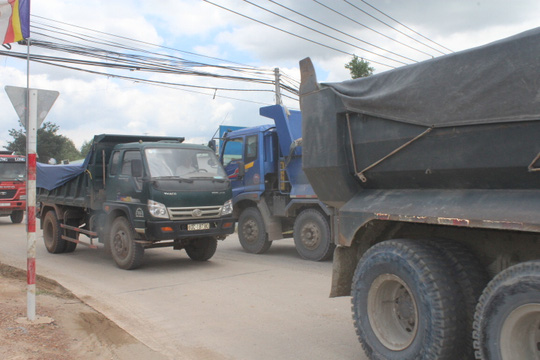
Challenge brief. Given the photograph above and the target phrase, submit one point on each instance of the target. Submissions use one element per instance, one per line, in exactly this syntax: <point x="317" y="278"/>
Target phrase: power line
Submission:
<point x="161" y="63"/>
<point x="370" y="28"/>
<point x="401" y="32"/>
<point x="320" y="32"/>
<point x="341" y="32"/>
<point x="414" y="31"/>
<point x="141" y="42"/>
<point x="290" y="33"/>
<point x="55" y="61"/>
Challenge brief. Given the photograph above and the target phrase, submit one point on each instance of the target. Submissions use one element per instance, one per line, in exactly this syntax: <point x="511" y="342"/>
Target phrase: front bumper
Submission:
<point x="157" y="230"/>
<point x="8" y="206"/>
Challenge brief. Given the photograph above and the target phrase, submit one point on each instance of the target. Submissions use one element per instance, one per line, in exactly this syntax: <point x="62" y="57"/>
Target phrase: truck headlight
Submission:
<point x="227" y="208"/>
<point x="157" y="209"/>
<point x="23" y="197"/>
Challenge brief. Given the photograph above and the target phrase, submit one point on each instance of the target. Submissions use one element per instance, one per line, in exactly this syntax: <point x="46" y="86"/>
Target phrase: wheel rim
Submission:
<point x="120" y="244"/>
<point x="311" y="235"/>
<point x="520" y="334"/>
<point x="251" y="231"/>
<point x="392" y="312"/>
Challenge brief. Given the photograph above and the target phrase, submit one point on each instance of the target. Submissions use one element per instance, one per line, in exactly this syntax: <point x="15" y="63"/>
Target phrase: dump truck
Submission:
<point x="433" y="169"/>
<point x="272" y="198"/>
<point x="134" y="193"/>
<point x="12" y="186"/>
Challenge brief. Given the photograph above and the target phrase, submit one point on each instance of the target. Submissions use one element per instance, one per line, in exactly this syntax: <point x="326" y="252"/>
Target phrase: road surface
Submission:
<point x="236" y="306"/>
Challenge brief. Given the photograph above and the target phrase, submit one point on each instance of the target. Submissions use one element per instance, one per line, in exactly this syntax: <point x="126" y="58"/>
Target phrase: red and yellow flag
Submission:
<point x="14" y="20"/>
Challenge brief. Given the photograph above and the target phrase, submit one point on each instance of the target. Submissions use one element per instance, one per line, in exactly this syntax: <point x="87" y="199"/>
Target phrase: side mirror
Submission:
<point x="136" y="168"/>
<point x="212" y="145"/>
<point x="241" y="169"/>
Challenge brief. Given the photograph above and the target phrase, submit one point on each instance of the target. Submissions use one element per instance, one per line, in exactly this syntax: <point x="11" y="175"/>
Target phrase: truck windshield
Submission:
<point x="12" y="171"/>
<point x="181" y="162"/>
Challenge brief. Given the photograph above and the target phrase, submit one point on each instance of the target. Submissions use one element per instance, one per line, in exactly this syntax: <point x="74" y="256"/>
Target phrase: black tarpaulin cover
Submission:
<point x="497" y="82"/>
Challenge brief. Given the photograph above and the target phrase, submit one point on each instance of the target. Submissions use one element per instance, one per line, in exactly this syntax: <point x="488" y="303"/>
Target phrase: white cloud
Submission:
<point x="91" y="104"/>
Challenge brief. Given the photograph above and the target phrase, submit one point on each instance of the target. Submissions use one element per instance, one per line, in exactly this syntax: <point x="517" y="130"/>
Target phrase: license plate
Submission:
<point x="201" y="226"/>
<point x="5" y="204"/>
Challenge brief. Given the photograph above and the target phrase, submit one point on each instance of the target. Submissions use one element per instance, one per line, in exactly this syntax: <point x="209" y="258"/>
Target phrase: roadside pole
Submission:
<point x="31" y="147"/>
<point x="32" y="106"/>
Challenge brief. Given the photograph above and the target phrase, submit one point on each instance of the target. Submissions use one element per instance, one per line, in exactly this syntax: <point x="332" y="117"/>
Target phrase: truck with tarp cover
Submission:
<point x="12" y="186"/>
<point x="134" y="193"/>
<point x="433" y="170"/>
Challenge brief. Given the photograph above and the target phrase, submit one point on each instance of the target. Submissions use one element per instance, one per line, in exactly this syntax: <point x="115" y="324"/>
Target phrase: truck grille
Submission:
<point x="200" y="212"/>
<point x="7" y="194"/>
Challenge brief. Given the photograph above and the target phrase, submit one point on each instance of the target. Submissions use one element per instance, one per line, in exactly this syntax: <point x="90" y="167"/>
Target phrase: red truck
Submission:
<point x="12" y="186"/>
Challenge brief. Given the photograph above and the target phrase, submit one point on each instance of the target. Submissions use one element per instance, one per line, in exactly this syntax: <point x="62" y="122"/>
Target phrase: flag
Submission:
<point x="14" y="20"/>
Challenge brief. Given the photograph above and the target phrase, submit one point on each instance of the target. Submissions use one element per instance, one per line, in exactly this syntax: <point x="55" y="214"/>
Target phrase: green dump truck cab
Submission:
<point x="134" y="193"/>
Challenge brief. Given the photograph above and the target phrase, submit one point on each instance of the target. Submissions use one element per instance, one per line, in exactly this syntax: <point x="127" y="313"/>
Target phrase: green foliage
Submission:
<point x="85" y="148"/>
<point x="50" y="144"/>
<point x="359" y="67"/>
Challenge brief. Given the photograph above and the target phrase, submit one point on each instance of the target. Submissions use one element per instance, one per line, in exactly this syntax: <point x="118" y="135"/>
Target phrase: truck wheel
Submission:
<point x="17" y="216"/>
<point x="202" y="249"/>
<point x="404" y="304"/>
<point x="312" y="237"/>
<point x="471" y="278"/>
<point x="507" y="319"/>
<point x="252" y="232"/>
<point x="52" y="234"/>
<point x="125" y="251"/>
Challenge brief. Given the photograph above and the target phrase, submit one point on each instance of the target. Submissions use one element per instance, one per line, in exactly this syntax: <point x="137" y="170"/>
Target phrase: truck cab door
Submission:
<point x="123" y="186"/>
<point x="233" y="162"/>
<point x="242" y="162"/>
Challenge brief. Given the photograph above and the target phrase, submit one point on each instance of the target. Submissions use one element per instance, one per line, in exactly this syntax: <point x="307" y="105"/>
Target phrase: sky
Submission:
<point x="250" y="34"/>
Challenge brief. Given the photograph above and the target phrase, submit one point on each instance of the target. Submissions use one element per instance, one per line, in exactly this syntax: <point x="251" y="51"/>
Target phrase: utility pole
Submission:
<point x="278" y="90"/>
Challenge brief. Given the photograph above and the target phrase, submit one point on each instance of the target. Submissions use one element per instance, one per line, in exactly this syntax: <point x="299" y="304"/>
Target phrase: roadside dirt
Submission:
<point x="77" y="331"/>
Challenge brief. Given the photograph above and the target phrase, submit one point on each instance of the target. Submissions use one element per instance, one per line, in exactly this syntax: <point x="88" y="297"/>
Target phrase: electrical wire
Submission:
<point x="370" y="28"/>
<point x="322" y="33"/>
<point x="341" y="32"/>
<point x="405" y="26"/>
<point x="295" y="35"/>
<point x="161" y="63"/>
<point x="401" y="32"/>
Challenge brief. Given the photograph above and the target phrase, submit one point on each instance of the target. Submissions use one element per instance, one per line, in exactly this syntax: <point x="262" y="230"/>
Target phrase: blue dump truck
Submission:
<point x="272" y="198"/>
<point x="434" y="172"/>
<point x="135" y="193"/>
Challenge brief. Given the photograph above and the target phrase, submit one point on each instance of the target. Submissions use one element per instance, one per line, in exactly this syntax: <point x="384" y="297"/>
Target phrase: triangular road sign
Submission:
<point x="45" y="101"/>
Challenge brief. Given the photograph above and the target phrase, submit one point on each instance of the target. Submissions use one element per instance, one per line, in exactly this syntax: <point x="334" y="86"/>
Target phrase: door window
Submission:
<point x="115" y="162"/>
<point x="128" y="157"/>
<point x="232" y="151"/>
<point x="251" y="148"/>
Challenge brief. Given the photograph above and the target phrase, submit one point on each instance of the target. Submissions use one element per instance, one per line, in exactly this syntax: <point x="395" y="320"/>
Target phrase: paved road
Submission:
<point x="236" y="306"/>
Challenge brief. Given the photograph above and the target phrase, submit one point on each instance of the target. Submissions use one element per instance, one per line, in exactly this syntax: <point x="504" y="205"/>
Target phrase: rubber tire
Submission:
<point x="512" y="288"/>
<point x="252" y="232"/>
<point x="127" y="254"/>
<point x="471" y="278"/>
<point x="202" y="249"/>
<point x="311" y="224"/>
<point x="429" y="278"/>
<point x="52" y="234"/>
<point x="17" y="216"/>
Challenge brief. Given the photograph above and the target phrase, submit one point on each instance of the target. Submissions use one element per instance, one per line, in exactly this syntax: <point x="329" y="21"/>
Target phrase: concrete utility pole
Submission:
<point x="278" y="90"/>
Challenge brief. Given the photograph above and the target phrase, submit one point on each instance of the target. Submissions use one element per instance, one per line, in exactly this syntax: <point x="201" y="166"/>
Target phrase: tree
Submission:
<point x="50" y="145"/>
<point x="359" y="67"/>
<point x="85" y="148"/>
